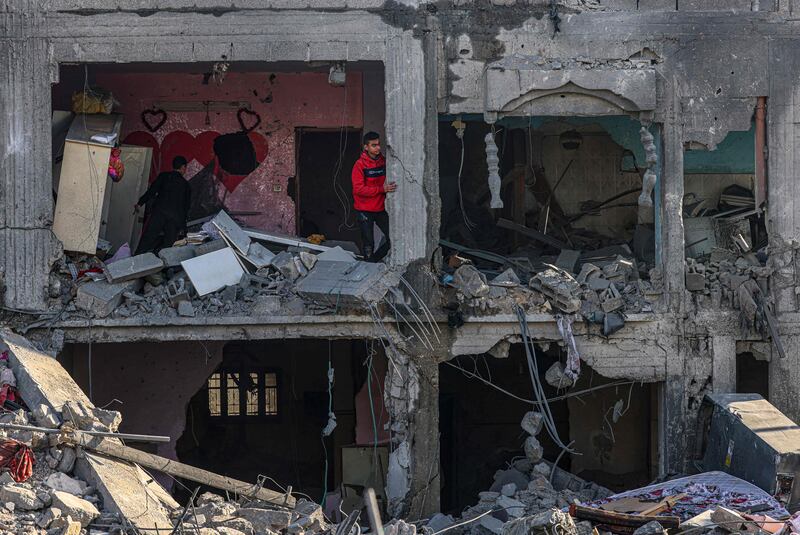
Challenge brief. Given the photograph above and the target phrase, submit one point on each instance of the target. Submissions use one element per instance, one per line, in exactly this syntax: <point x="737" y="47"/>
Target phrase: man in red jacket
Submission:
<point x="369" y="195"/>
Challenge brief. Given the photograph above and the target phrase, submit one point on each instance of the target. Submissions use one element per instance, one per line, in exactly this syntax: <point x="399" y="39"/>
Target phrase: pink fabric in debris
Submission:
<point x="706" y="491"/>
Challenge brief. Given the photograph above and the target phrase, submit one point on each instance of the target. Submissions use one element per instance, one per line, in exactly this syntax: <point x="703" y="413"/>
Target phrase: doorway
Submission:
<point x="324" y="195"/>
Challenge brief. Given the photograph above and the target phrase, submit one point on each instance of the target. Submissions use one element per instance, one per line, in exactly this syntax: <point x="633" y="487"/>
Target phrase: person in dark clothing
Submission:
<point x="369" y="197"/>
<point x="171" y="197"/>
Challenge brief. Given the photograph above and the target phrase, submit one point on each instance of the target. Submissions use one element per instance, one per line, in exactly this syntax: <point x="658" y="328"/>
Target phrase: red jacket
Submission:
<point x="368" y="178"/>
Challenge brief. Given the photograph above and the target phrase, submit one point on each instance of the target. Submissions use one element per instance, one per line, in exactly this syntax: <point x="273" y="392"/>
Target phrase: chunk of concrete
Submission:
<point x="67" y="526"/>
<point x="232" y="231"/>
<point x="76" y="508"/>
<point x="695" y="282"/>
<point x="23" y="498"/>
<point x="514" y="508"/>
<point x="550" y="521"/>
<point x="87" y="417"/>
<point x="173" y="256"/>
<point x="270" y="518"/>
<point x="284" y="262"/>
<point x="67" y="462"/>
<point x="507" y="279"/>
<point x="259" y="256"/>
<point x="63" y="483"/>
<point x="134" y="267"/>
<point x="186" y="309"/>
<point x="101" y="297"/>
<point x="532" y="422"/>
<point x="209" y="247"/>
<point x="651" y="528"/>
<point x="336" y="254"/>
<point x="556" y="377"/>
<point x="533" y="450"/>
<point x="495" y="525"/>
<point x="47" y="518"/>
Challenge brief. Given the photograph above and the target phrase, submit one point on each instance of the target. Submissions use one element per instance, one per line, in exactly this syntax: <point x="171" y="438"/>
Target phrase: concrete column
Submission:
<point x="672" y="215"/>
<point x="405" y="147"/>
<point x="784" y="378"/>
<point x="412" y="399"/>
<point x="723" y="354"/>
<point x="782" y="184"/>
<point x="27" y="244"/>
<point x="673" y="413"/>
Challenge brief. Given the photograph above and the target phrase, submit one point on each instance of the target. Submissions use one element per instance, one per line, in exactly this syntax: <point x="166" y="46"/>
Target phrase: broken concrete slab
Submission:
<point x="101" y="297"/>
<point x="470" y="281"/>
<point x="232" y="231"/>
<point x="87" y="417"/>
<point x="259" y="256"/>
<point x="22" y="497"/>
<point x="134" y="267"/>
<point x="186" y="309"/>
<point x="344" y="283"/>
<point x="336" y="254"/>
<point x="213" y="271"/>
<point x="42" y="380"/>
<point x="173" y="256"/>
<point x="63" y="483"/>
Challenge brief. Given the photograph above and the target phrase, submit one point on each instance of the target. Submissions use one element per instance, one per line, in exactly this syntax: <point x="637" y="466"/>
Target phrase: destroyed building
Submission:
<point x="593" y="195"/>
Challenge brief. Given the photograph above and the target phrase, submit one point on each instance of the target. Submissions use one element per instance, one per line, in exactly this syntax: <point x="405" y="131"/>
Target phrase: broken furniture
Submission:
<point x="746" y="436"/>
<point x="84" y="177"/>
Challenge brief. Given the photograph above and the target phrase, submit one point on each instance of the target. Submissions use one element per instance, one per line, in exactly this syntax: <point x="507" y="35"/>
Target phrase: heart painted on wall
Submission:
<point x="154" y="119"/>
<point x="252" y="117"/>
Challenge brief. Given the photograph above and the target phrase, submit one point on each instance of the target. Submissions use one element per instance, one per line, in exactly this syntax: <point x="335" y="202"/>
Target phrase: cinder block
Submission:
<point x="173" y="256"/>
<point x="134" y="267"/>
<point x="101" y="297"/>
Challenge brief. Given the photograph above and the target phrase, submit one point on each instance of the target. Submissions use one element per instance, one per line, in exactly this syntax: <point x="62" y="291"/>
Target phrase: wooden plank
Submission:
<point x="620" y="522"/>
<point x="81" y="190"/>
<point x="531" y="233"/>
<point x="116" y="450"/>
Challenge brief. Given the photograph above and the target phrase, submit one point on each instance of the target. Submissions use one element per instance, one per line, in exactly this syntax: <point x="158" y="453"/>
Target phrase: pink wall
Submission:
<point x="283" y="100"/>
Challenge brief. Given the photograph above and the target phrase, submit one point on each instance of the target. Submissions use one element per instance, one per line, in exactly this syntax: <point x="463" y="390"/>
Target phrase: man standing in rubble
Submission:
<point x="171" y="197"/>
<point x="369" y="197"/>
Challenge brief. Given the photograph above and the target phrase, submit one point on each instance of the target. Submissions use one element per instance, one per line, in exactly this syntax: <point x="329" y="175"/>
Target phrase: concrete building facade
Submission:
<point x="692" y="72"/>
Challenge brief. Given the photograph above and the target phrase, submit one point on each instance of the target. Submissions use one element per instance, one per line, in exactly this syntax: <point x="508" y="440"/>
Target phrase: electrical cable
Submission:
<point x="470" y="225"/>
<point x="538" y="389"/>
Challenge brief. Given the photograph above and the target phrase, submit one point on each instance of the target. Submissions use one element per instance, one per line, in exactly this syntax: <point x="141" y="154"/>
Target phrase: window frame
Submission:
<point x="227" y="382"/>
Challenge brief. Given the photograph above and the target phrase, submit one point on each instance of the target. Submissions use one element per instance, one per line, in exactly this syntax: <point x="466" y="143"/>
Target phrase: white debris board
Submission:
<point x="213" y="271"/>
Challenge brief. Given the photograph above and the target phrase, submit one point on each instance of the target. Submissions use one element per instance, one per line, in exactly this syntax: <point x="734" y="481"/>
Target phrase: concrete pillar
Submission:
<point x="723" y="354"/>
<point x="783" y="225"/>
<point x="405" y="147"/>
<point x="672" y="245"/>
<point x="26" y="200"/>
<point x="673" y="422"/>
<point x="412" y="399"/>
<point x="784" y="378"/>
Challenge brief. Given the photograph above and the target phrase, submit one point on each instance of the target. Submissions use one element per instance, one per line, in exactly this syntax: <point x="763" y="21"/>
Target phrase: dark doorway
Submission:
<point x="752" y="375"/>
<point x="324" y="196"/>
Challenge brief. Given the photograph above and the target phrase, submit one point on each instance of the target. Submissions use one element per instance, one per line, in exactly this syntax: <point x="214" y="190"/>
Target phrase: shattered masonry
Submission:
<point x="664" y="309"/>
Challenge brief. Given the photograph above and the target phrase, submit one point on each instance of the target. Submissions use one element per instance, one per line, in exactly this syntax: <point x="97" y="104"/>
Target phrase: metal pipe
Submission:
<point x="123" y="436"/>
<point x="761" y="152"/>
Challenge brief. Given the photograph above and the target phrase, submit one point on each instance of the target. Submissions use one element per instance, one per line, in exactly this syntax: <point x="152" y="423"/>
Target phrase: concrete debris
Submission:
<point x="557" y="377"/>
<point x="507" y="279"/>
<point x="470" y="281"/>
<point x="135" y="267"/>
<point x="532" y="422"/>
<point x="78" y="509"/>
<point x="101" y="298"/>
<point x="544" y="523"/>
<point x="651" y="528"/>
<point x="173" y="256"/>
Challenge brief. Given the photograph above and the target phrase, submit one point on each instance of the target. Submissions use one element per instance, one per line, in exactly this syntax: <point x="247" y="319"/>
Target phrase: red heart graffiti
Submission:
<point x="252" y="115"/>
<point x="148" y="117"/>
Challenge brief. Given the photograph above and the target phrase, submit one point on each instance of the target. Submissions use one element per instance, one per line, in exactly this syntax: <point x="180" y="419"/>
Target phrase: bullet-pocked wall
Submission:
<point x="180" y="109"/>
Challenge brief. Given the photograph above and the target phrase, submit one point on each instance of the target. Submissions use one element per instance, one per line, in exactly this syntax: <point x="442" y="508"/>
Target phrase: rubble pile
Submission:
<point x="714" y="280"/>
<point x="528" y="495"/>
<point x="220" y="270"/>
<point x="605" y="288"/>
